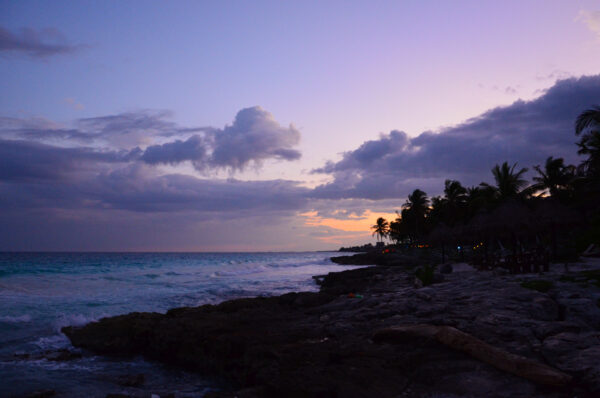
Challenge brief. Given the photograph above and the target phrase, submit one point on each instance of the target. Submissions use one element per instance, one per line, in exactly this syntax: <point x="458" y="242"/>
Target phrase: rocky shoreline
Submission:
<point x="373" y="332"/>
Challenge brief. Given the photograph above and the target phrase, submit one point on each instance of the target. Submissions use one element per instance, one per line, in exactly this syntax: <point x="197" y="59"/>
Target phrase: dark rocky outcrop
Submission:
<point x="378" y="257"/>
<point x="322" y="345"/>
<point x="131" y="380"/>
<point x="42" y="394"/>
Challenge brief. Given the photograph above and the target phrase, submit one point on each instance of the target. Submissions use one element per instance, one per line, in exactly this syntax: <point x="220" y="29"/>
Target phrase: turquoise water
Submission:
<point x="42" y="292"/>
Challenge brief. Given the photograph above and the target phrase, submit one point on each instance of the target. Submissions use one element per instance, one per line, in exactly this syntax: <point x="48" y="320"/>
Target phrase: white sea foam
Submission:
<point x="15" y="319"/>
<point x="74" y="320"/>
<point x="247" y="270"/>
<point x="53" y="342"/>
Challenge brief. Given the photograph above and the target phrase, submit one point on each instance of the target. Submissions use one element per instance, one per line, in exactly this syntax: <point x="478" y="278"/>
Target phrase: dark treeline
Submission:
<point x="560" y="208"/>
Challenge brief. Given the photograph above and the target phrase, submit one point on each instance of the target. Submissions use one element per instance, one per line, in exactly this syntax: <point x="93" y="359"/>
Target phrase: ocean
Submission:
<point x="42" y="292"/>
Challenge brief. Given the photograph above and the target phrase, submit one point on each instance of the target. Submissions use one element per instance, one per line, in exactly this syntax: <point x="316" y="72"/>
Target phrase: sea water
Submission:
<point x="42" y="292"/>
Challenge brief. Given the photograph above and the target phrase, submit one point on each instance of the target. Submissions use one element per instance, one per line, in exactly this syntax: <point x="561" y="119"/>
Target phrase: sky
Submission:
<point x="272" y="126"/>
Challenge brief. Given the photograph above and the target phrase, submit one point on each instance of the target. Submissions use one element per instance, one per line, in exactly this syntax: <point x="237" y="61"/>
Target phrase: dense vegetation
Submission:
<point x="560" y="208"/>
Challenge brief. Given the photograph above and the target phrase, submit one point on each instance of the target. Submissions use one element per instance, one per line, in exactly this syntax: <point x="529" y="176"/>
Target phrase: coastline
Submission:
<point x="322" y="344"/>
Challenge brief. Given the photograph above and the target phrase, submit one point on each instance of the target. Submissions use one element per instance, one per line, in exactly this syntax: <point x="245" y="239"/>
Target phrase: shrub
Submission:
<point x="425" y="274"/>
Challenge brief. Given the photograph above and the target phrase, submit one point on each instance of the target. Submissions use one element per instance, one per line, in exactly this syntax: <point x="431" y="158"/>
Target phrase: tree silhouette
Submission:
<point x="486" y="211"/>
<point x="509" y="183"/>
<point x="554" y="178"/>
<point x="414" y="211"/>
<point x="381" y="228"/>
<point x="454" y="201"/>
<point x="588" y="119"/>
<point x="587" y="126"/>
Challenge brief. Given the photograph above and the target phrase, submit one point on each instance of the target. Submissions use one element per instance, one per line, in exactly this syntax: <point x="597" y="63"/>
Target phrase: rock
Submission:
<point x="417" y="283"/>
<point x="423" y="295"/>
<point x="559" y="350"/>
<point x="321" y="344"/>
<point x="42" y="394"/>
<point x="21" y="355"/>
<point x="459" y="340"/>
<point x="544" y="309"/>
<point x="546" y="330"/>
<point x="446" y="268"/>
<point x="371" y="258"/>
<point x="62" y="355"/>
<point x="131" y="380"/>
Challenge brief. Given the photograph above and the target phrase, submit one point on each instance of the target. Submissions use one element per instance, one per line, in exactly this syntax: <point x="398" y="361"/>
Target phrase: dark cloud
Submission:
<point x="133" y="208"/>
<point x="253" y="137"/>
<point x="123" y="130"/>
<point x="193" y="149"/>
<point x="39" y="44"/>
<point x="23" y="161"/>
<point x="137" y="189"/>
<point x="525" y="132"/>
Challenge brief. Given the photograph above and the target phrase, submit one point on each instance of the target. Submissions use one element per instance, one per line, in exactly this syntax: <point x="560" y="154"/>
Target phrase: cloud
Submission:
<point x="71" y="187"/>
<point x="129" y="129"/>
<point x="24" y="161"/>
<point x="132" y="207"/>
<point x="253" y="137"/>
<point x="591" y="19"/>
<point x="38" y="44"/>
<point x="123" y="130"/>
<point x="136" y="188"/>
<point x="524" y="132"/>
<point x="193" y="149"/>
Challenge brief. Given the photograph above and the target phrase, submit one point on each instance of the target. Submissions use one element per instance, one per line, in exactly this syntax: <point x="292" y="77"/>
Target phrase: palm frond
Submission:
<point x="587" y="119"/>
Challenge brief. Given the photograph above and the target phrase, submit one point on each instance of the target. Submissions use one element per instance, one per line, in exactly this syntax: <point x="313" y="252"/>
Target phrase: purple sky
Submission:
<point x="271" y="125"/>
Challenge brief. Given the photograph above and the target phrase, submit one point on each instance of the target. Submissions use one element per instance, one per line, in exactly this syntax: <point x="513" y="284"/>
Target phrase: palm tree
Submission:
<point x="479" y="198"/>
<point x="588" y="126"/>
<point x="588" y="119"/>
<point x="381" y="228"/>
<point x="455" y="201"/>
<point x="555" y="177"/>
<point x="415" y="209"/>
<point x="455" y="193"/>
<point x="417" y="203"/>
<point x="509" y="183"/>
<point x="589" y="144"/>
<point x="438" y="211"/>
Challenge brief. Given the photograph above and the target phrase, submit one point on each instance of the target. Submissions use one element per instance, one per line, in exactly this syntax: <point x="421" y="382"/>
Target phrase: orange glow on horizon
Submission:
<point x="354" y="223"/>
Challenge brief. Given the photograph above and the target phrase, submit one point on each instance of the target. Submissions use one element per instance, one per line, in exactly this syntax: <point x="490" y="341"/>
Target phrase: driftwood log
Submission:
<point x="478" y="349"/>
